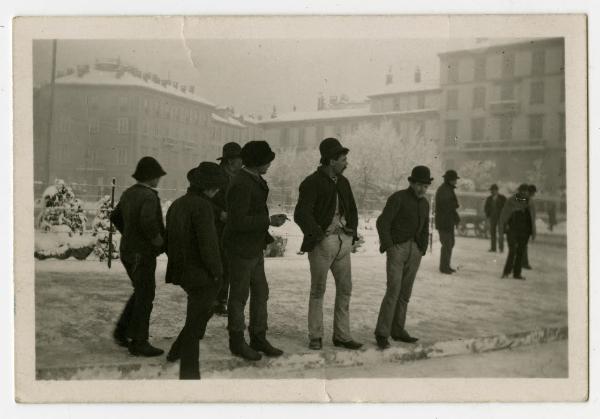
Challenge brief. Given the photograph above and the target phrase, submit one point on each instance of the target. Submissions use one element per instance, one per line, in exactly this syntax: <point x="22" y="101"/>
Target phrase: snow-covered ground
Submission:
<point x="78" y="302"/>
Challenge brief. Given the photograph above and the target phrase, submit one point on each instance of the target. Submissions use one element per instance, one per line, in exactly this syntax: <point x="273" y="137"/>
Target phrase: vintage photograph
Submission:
<point x="288" y="207"/>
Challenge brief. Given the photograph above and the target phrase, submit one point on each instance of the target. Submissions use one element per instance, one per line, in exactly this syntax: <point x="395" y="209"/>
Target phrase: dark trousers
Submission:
<point x="447" y="241"/>
<point x="200" y="305"/>
<point x="247" y="279"/>
<point x="135" y="319"/>
<point x="525" y="261"/>
<point x="496" y="235"/>
<point x="224" y="292"/>
<point x="516" y="248"/>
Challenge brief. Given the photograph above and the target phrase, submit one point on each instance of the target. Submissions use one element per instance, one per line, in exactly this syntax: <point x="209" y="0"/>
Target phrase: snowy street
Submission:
<point x="78" y="302"/>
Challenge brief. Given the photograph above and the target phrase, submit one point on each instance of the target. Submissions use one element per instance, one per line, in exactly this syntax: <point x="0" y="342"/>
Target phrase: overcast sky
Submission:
<point x="254" y="75"/>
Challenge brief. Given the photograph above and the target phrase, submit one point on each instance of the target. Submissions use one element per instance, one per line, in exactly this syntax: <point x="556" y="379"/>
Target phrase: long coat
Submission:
<point x="446" y="204"/>
<point x="512" y="206"/>
<point x="246" y="231"/>
<point x="192" y="242"/>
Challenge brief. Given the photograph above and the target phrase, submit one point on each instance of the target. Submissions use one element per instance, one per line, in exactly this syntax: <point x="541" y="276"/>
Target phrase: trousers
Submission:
<point x="496" y="235"/>
<point x="516" y="248"/>
<point x="447" y="242"/>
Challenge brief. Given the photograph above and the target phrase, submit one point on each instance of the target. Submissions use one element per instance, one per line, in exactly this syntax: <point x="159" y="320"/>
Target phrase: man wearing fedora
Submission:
<point x="194" y="261"/>
<point x="493" y="207"/>
<point x="245" y="238"/>
<point x="231" y="163"/>
<point x="403" y="229"/>
<point x="138" y="216"/>
<point x="446" y="218"/>
<point x="326" y="212"/>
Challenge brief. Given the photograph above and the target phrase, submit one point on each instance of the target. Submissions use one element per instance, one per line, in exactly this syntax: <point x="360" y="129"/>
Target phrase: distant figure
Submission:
<point x="245" y="238"/>
<point x="531" y="189"/>
<point x="138" y="216"/>
<point x="231" y="163"/>
<point x="517" y="221"/>
<point x="194" y="261"/>
<point x="403" y="229"/>
<point x="446" y="218"/>
<point x="551" y="215"/>
<point x="493" y="208"/>
<point x="327" y="214"/>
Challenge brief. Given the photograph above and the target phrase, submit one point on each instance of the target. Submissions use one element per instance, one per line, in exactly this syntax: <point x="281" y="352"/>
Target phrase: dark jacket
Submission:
<point x="138" y="216"/>
<point x="446" y="204"/>
<point x="519" y="217"/>
<point x="405" y="217"/>
<point x="192" y="242"/>
<point x="246" y="231"/>
<point x="220" y="204"/>
<point x="491" y="210"/>
<point x="316" y="207"/>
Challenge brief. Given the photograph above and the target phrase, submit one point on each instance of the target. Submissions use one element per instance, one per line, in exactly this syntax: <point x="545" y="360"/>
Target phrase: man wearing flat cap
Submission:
<point x="194" y="261"/>
<point x="245" y="238"/>
<point x="493" y="207"/>
<point x="326" y="212"/>
<point x="403" y="229"/>
<point x="138" y="216"/>
<point x="231" y="163"/>
<point x="446" y="218"/>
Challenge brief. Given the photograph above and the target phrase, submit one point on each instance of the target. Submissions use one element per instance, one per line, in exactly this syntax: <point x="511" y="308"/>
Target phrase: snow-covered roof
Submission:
<point x="227" y="120"/>
<point x="485" y="45"/>
<point x="324" y="114"/>
<point x="109" y="78"/>
<point x="407" y="87"/>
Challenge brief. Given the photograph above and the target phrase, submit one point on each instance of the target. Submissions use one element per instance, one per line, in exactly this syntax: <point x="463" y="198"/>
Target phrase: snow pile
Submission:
<point x="62" y="245"/>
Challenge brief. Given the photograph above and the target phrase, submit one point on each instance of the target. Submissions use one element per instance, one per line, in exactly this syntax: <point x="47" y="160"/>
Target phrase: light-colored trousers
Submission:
<point x="332" y="253"/>
<point x="402" y="264"/>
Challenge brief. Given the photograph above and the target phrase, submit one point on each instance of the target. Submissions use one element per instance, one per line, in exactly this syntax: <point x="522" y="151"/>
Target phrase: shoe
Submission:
<point x="348" y="344"/>
<point x="221" y="309"/>
<point x="239" y="347"/>
<point x="527" y="267"/>
<point x="492" y="250"/>
<point x="504" y="276"/>
<point x="519" y="277"/>
<point x="144" y="349"/>
<point x="382" y="342"/>
<point x="173" y="356"/>
<point x="260" y="344"/>
<point x="452" y="270"/>
<point x="120" y="338"/>
<point x="404" y="337"/>
<point x="316" y="344"/>
<point x="446" y="271"/>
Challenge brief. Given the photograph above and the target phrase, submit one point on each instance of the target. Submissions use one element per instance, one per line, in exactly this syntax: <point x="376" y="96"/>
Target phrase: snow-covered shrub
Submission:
<point x="277" y="248"/>
<point x="101" y="227"/>
<point x="62" y="210"/>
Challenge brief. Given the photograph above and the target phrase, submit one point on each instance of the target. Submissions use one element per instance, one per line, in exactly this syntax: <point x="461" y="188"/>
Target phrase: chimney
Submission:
<point x="417" y="75"/>
<point x="183" y="88"/>
<point x="274" y="113"/>
<point x="191" y="89"/>
<point x="146" y="76"/>
<point x="389" y="77"/>
<point x="176" y="84"/>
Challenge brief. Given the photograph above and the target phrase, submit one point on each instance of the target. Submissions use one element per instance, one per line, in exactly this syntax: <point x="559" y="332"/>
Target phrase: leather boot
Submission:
<point x="144" y="349"/>
<point x="259" y="343"/>
<point x="239" y="347"/>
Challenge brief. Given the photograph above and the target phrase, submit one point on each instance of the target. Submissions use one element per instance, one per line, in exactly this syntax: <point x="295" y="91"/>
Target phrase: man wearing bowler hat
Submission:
<point x="138" y="216"/>
<point x="194" y="261"/>
<point x="326" y="212"/>
<point x="493" y="207"/>
<point x="446" y="218"/>
<point x="403" y="229"/>
<point x="245" y="238"/>
<point x="231" y="163"/>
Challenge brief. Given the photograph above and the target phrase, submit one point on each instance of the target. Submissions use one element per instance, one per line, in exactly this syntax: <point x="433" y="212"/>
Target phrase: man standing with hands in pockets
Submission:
<point x="403" y="229"/>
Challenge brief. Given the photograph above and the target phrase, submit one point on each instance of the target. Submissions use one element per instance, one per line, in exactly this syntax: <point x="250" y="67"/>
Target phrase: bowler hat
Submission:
<point x="207" y="175"/>
<point x="450" y="175"/>
<point x="257" y="153"/>
<point x="331" y="147"/>
<point x="148" y="168"/>
<point x="532" y="189"/>
<point x="420" y="174"/>
<point x="494" y="187"/>
<point x="523" y="187"/>
<point x="231" y="150"/>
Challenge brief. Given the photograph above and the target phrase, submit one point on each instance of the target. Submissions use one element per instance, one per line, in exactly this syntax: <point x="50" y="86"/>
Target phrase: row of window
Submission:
<point x="505" y="128"/>
<point x="538" y="66"/>
<point x="507" y="92"/>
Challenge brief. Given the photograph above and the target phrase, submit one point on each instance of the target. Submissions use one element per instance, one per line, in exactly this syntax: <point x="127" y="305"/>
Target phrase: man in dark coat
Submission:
<point x="493" y="208"/>
<point x="326" y="212"/>
<point x="245" y="238"/>
<point x="138" y="216"/>
<point x="231" y="163"/>
<point x="194" y="261"/>
<point x="403" y="229"/>
<point x="531" y="191"/>
<point x="517" y="221"/>
<point x="446" y="218"/>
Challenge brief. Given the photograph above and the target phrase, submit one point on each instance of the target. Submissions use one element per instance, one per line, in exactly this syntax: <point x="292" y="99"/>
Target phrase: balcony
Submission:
<point x="505" y="107"/>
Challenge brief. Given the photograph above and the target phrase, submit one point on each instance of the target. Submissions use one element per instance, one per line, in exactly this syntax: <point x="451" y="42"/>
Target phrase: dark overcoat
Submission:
<point x="446" y="205"/>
